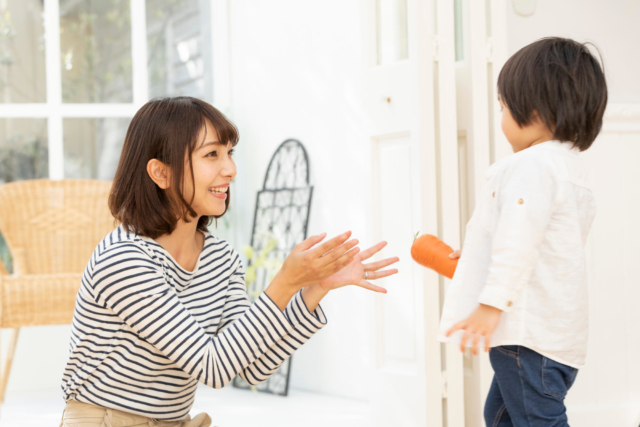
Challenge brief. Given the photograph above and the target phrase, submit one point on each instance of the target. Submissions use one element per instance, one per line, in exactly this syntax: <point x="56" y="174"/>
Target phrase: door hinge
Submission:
<point x="489" y="49"/>
<point x="445" y="384"/>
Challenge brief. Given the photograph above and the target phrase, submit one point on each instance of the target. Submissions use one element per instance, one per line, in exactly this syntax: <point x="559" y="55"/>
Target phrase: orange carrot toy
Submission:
<point x="433" y="253"/>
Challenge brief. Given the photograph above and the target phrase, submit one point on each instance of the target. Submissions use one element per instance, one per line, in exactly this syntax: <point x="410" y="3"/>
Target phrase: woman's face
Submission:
<point x="213" y="171"/>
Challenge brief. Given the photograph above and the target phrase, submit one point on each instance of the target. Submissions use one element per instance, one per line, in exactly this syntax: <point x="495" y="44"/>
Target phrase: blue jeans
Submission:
<point x="528" y="389"/>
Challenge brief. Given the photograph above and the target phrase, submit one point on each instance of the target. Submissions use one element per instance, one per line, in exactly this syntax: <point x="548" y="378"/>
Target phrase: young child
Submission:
<point x="520" y="288"/>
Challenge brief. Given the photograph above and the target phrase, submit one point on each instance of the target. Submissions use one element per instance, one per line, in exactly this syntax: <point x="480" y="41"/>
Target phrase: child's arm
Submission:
<point x="525" y="202"/>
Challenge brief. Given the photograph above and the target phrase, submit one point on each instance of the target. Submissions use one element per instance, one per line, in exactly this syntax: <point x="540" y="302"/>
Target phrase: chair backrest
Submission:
<point x="54" y="226"/>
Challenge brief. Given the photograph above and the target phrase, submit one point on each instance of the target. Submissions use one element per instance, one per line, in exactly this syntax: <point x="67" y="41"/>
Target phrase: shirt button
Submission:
<point x="520" y="201"/>
<point x="509" y="304"/>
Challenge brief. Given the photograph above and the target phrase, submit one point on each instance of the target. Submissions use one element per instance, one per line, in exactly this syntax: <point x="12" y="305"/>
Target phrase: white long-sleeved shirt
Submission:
<point x="524" y="253"/>
<point x="145" y="331"/>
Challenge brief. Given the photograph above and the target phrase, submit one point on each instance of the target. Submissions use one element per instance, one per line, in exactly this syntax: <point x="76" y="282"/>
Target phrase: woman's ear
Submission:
<point x="159" y="173"/>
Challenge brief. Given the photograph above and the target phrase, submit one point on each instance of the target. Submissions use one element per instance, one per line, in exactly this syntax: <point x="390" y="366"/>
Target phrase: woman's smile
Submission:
<point x="220" y="191"/>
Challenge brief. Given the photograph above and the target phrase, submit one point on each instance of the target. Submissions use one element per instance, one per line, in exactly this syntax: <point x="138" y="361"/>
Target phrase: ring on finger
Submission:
<point x="366" y="275"/>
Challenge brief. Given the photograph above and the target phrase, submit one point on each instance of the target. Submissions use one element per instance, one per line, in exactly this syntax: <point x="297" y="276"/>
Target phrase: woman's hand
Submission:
<point x="307" y="265"/>
<point x="359" y="274"/>
<point x="455" y="254"/>
<point x="481" y="323"/>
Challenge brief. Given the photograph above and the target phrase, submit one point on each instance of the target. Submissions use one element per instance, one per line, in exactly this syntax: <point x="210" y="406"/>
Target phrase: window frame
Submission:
<point x="55" y="111"/>
<point x="215" y="12"/>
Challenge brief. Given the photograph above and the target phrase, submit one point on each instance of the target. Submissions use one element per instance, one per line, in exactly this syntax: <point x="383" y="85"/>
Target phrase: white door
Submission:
<point x="430" y="67"/>
<point x="418" y="99"/>
<point x="409" y="99"/>
<point x="480" y="54"/>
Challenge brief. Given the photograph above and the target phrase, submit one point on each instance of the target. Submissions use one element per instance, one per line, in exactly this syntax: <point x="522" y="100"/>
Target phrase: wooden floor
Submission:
<point x="228" y="407"/>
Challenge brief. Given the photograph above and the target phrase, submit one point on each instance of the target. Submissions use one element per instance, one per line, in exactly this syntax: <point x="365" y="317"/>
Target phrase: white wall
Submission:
<point x="295" y="71"/>
<point x="607" y="390"/>
<point x="40" y="358"/>
<point x="612" y="25"/>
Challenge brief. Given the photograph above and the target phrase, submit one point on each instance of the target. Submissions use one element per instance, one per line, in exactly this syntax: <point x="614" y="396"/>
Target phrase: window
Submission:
<point x="179" y="49"/>
<point x="67" y="94"/>
<point x="74" y="72"/>
<point x="458" y="9"/>
<point x="391" y="31"/>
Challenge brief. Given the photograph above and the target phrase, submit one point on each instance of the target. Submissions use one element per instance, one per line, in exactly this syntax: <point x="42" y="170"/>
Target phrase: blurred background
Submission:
<point x="395" y="103"/>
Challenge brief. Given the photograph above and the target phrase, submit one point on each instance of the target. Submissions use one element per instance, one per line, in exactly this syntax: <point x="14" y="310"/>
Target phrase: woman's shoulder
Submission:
<point x="122" y="244"/>
<point x="219" y="249"/>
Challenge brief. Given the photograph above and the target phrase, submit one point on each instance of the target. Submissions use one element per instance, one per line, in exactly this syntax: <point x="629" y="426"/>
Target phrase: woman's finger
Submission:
<point x="463" y="341"/>
<point x="371" y="286"/>
<point x="375" y="266"/>
<point x="373" y="275"/>
<point x="338" y="252"/>
<point x="329" y="245"/>
<point x="368" y="253"/>
<point x="345" y="259"/>
<point x="474" y="346"/>
<point x="310" y="242"/>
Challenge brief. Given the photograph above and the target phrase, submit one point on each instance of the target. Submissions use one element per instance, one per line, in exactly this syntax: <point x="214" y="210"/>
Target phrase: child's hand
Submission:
<point x="455" y="254"/>
<point x="481" y="323"/>
<point x="359" y="274"/>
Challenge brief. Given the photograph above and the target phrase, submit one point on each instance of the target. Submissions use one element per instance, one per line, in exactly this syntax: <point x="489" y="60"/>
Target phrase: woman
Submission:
<point x="163" y="303"/>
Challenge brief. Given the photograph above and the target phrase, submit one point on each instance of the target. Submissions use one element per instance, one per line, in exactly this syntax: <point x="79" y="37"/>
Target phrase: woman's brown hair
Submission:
<point x="166" y="129"/>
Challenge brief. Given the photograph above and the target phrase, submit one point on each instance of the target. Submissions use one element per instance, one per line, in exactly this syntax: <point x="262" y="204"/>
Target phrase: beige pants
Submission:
<point x="77" y="414"/>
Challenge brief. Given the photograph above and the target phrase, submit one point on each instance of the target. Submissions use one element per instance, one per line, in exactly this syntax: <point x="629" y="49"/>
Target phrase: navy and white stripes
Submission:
<point x="145" y="331"/>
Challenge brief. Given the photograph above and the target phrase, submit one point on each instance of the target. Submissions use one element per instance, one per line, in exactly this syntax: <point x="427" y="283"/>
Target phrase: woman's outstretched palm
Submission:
<point x="354" y="273"/>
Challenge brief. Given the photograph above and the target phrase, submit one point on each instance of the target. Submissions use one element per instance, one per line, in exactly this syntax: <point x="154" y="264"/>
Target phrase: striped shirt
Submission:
<point x="145" y="331"/>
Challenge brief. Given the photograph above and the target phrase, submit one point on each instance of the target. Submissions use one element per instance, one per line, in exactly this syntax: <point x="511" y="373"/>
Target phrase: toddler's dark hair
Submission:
<point x="560" y="80"/>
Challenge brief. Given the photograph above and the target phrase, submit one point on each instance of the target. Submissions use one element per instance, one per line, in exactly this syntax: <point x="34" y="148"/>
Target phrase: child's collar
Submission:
<point x="553" y="144"/>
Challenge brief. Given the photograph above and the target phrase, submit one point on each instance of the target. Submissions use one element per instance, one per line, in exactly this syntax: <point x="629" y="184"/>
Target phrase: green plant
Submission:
<point x="266" y="258"/>
<point x="5" y="255"/>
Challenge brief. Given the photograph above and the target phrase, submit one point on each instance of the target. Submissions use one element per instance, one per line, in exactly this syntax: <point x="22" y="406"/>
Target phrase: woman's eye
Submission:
<point x="231" y="152"/>
<point x="213" y="154"/>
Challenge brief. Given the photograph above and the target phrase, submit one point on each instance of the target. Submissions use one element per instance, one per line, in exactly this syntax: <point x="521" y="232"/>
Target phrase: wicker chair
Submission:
<point x="51" y="229"/>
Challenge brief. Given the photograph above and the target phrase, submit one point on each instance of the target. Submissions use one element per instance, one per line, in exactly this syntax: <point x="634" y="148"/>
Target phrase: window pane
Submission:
<point x="92" y="147"/>
<point x="95" y="51"/>
<point x="179" y="50"/>
<point x="459" y="35"/>
<point x="22" y="73"/>
<point x="5" y="255"/>
<point x="23" y="149"/>
<point x="392" y="31"/>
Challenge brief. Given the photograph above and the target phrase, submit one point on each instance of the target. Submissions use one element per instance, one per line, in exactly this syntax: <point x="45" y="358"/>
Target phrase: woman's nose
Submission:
<point x="229" y="169"/>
